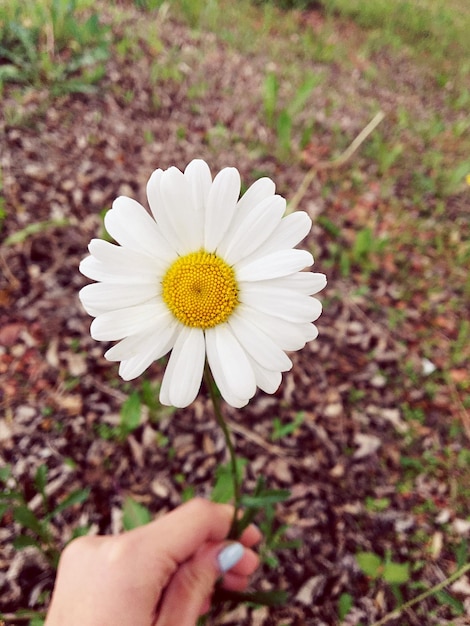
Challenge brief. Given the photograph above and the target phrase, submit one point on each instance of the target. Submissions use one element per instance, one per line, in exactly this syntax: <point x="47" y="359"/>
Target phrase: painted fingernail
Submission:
<point x="229" y="556"/>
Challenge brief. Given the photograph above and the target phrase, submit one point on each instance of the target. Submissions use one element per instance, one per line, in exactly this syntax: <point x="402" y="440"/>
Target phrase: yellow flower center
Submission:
<point x="200" y="290"/>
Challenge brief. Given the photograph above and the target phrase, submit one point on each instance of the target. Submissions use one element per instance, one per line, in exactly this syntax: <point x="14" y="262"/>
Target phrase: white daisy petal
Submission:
<point x="118" y="324"/>
<point x="142" y="352"/>
<point x="154" y="196"/>
<point x="108" y="297"/>
<point x="222" y="383"/>
<point x="273" y="265"/>
<point x="287" y="335"/>
<point x="183" y="374"/>
<point x="134" y="367"/>
<point x="200" y="180"/>
<point x="221" y="203"/>
<point x="258" y="345"/>
<point x="308" y="283"/>
<point x="311" y="332"/>
<point x="253" y="231"/>
<point x="178" y="201"/>
<point x="133" y="345"/>
<point x="131" y="226"/>
<point x="292" y="229"/>
<point x="233" y="366"/>
<point x="123" y="259"/>
<point x="94" y="269"/>
<point x="237" y="403"/>
<point x="267" y="380"/>
<point x="283" y="303"/>
<point x="260" y="190"/>
<point x="117" y="274"/>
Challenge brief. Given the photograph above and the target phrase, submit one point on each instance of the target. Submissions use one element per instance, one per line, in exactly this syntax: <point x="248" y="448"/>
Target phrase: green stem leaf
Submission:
<point x="215" y="397"/>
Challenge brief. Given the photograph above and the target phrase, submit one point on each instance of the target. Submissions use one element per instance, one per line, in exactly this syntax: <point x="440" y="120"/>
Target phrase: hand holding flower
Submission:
<point x="216" y="281"/>
<point x="156" y="575"/>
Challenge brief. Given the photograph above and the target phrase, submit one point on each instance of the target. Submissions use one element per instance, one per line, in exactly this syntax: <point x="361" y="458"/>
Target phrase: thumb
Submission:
<point x="193" y="582"/>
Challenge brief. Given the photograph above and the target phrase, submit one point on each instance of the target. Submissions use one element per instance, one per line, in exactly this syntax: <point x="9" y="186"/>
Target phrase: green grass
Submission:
<point x="438" y="27"/>
<point x="435" y="26"/>
<point x="61" y="45"/>
<point x="432" y="31"/>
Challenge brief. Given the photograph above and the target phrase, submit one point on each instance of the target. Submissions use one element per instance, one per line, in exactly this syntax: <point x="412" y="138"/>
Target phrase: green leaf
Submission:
<point x="26" y="37"/>
<point x="271" y="88"/>
<point x="363" y="244"/>
<point x="242" y="523"/>
<point x="24" y="516"/>
<point x="396" y="573"/>
<point x="149" y="395"/>
<point x="188" y="493"/>
<point x="24" y="541"/>
<point x="345" y="604"/>
<point x="5" y="473"/>
<point x="397" y="594"/>
<point x="40" y="482"/>
<point x="288" y="544"/>
<point x="10" y="496"/>
<point x="284" y="130"/>
<point x="457" y="175"/>
<point x="331" y="228"/>
<point x="22" y="615"/>
<point x="80" y="531"/>
<point x="271" y="560"/>
<point x="370" y="563"/>
<point x="445" y="598"/>
<point x="3" y="509"/>
<point x="281" y="430"/>
<point x="261" y="500"/>
<point x="134" y="514"/>
<point x="130" y="414"/>
<point x="223" y="488"/>
<point x="10" y="73"/>
<point x="76" y="497"/>
<point x="303" y="94"/>
<point x="32" y="229"/>
<point x="461" y="553"/>
<point x="344" y="264"/>
<point x="270" y="496"/>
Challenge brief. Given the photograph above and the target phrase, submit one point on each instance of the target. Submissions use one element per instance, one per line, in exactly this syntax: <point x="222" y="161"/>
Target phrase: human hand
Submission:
<point x="160" y="574"/>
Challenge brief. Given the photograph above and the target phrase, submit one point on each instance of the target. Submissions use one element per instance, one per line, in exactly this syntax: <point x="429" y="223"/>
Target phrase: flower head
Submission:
<point x="208" y="275"/>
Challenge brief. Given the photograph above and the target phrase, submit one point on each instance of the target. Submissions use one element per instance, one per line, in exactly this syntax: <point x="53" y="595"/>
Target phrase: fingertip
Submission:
<point x="251" y="536"/>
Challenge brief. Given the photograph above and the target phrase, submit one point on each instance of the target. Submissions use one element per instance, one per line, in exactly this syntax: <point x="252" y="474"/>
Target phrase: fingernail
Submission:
<point x="229" y="556"/>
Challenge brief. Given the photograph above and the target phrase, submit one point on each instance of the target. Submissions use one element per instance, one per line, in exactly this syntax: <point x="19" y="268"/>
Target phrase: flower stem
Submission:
<point x="215" y="398"/>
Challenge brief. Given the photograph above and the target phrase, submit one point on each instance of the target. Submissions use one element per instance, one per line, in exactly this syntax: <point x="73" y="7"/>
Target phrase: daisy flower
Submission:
<point x="208" y="275"/>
